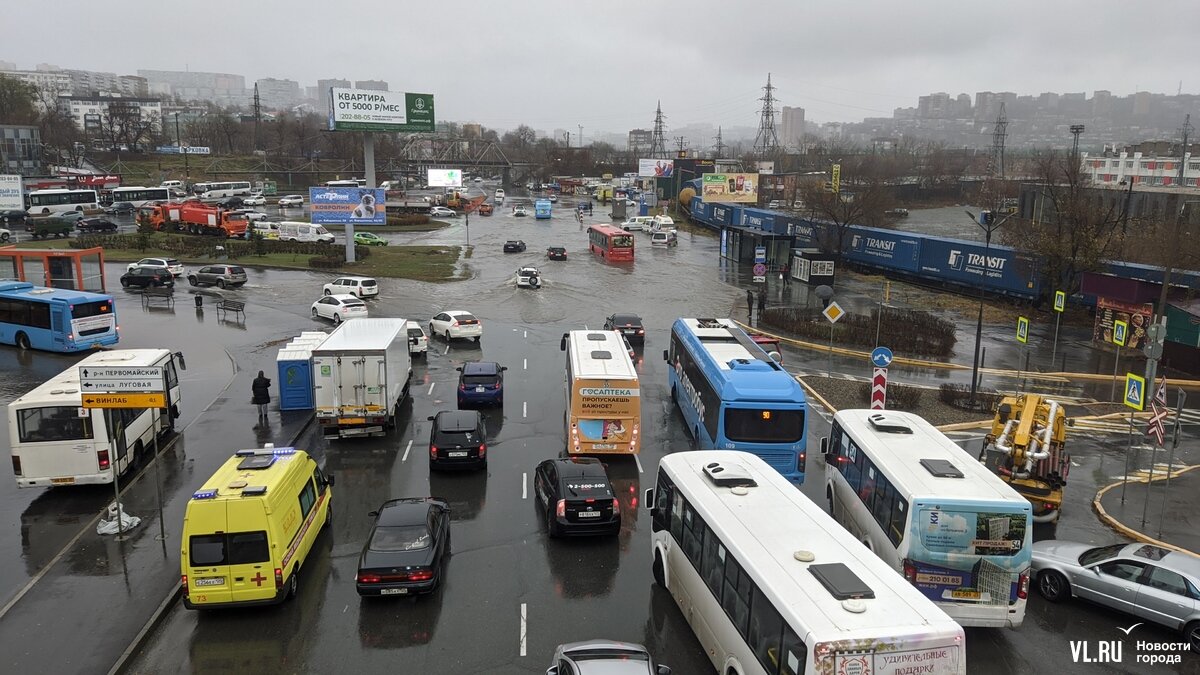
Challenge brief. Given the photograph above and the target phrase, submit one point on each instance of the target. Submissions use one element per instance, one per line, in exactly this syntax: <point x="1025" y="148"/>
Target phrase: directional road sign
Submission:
<point x="881" y="357"/>
<point x="1060" y="301"/>
<point x="1022" y="329"/>
<point x="1119" y="332"/>
<point x="121" y="378"/>
<point x="1135" y="391"/>
<point x="833" y="312"/>
<point x="879" y="389"/>
<point x="156" y="400"/>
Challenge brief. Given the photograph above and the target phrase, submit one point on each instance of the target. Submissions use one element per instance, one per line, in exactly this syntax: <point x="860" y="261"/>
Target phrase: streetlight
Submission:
<point x="987" y="221"/>
<point x="187" y="172"/>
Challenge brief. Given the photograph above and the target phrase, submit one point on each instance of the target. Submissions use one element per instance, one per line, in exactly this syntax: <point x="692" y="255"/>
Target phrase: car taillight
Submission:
<point x="368" y="578"/>
<point x="616" y="507"/>
<point x="801" y="460"/>
<point x="420" y="575"/>
<point x="641" y="331"/>
<point x="16" y="466"/>
<point x="102" y="457"/>
<point x="278" y="578"/>
<point x="455" y="323"/>
<point x="498" y="385"/>
<point x="910" y="571"/>
<point x="482" y="449"/>
<point x="433" y="452"/>
<point x="561" y="509"/>
<point x="183" y="583"/>
<point x="1023" y="586"/>
<point x="462" y="387"/>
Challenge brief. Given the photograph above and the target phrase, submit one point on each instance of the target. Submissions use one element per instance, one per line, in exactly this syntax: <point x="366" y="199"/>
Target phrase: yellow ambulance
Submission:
<point x="248" y="530"/>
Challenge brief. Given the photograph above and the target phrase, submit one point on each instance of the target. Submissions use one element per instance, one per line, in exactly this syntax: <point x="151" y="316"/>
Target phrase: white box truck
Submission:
<point x="361" y="375"/>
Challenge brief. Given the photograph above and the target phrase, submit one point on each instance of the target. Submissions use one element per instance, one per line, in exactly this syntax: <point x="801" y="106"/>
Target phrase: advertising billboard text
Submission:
<point x="11" y="196"/>
<point x="340" y="205"/>
<point x="370" y="110"/>
<point x="739" y="188"/>
<point x="656" y="168"/>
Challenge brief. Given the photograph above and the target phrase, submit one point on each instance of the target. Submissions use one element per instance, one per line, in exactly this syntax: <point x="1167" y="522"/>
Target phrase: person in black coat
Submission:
<point x="261" y="388"/>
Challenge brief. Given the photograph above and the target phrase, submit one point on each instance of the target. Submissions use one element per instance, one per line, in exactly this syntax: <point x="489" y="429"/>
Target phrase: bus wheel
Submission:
<point x="22" y="341"/>
<point x="660" y="576"/>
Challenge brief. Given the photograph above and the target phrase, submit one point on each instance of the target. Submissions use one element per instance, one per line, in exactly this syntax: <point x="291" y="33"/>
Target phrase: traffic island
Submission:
<point x="1153" y="511"/>
<point x="837" y="393"/>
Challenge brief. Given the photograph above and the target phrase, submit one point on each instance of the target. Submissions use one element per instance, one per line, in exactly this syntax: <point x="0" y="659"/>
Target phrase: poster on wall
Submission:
<point x="739" y="188"/>
<point x="1136" y="316"/>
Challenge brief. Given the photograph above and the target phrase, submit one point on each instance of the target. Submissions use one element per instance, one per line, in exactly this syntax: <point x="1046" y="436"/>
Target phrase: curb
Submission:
<point x="1129" y="531"/>
<point x="820" y="399"/>
<point x="175" y="594"/>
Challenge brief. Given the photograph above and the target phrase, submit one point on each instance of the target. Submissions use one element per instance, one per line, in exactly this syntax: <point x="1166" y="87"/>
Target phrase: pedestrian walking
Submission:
<point x="261" y="389"/>
<point x="762" y="303"/>
<point x="749" y="304"/>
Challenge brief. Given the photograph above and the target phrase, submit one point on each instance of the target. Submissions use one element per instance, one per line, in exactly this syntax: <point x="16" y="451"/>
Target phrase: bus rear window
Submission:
<point x="233" y="548"/>
<point x="39" y="425"/>
<point x="973" y="532"/>
<point x="761" y="425"/>
<point x="85" y="309"/>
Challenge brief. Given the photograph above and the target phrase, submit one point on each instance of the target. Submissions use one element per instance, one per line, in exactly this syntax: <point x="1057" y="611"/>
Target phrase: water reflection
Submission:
<point x="396" y="623"/>
<point x="464" y="491"/>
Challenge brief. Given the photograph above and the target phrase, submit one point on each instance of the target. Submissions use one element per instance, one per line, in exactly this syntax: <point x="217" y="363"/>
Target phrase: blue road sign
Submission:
<point x="760" y="254"/>
<point x="1135" y="391"/>
<point x="881" y="357"/>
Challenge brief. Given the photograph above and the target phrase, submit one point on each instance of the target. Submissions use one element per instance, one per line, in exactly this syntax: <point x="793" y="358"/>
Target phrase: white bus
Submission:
<point x="140" y="196"/>
<point x="222" y="190"/>
<point x="771" y="584"/>
<point x="348" y="182"/>
<point x="46" y="202"/>
<point x="604" y="404"/>
<point x="933" y="513"/>
<point x="56" y="441"/>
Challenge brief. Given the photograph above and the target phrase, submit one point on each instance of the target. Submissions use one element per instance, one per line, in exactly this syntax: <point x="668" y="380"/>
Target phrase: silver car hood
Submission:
<point x="1059" y="551"/>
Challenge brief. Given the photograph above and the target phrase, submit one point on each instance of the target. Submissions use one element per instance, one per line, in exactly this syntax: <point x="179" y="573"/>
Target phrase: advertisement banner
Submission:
<point x="369" y="110"/>
<point x="445" y="178"/>
<point x="11" y="195"/>
<point x="341" y="205"/>
<point x="766" y="167"/>
<point x="1137" y="317"/>
<point x="730" y="188"/>
<point x="656" y="168"/>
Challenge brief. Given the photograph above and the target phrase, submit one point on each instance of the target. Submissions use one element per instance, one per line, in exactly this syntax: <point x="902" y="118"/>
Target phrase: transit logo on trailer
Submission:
<point x="976" y="263"/>
<point x="871" y="243"/>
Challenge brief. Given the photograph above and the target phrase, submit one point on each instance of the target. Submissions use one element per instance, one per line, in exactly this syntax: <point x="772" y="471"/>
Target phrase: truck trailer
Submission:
<point x="361" y="375"/>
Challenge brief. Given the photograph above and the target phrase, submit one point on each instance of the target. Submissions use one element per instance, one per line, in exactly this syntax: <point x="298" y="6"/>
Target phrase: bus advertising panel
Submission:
<point x="739" y="188"/>
<point x="606" y="416"/>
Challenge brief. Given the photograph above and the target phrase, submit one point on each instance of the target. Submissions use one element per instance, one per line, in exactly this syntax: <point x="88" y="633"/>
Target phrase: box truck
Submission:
<point x="361" y="374"/>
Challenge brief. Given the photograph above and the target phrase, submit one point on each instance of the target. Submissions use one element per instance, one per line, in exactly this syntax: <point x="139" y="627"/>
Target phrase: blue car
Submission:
<point x="481" y="383"/>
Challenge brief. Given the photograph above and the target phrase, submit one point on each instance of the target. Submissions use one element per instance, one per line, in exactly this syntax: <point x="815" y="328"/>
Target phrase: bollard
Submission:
<point x="199" y="301"/>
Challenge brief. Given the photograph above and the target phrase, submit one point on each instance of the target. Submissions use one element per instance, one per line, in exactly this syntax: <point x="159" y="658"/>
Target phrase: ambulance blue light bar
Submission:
<point x="204" y="494"/>
<point x="269" y="450"/>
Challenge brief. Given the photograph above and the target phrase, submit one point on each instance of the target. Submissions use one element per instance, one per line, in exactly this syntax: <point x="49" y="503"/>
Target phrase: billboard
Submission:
<point x="369" y="110"/>
<point x="11" y="194"/>
<point x="186" y="150"/>
<point x="444" y="178"/>
<point x="656" y="168"/>
<point x="341" y="205"/>
<point x="730" y="188"/>
<point x="1136" y="316"/>
<point x="766" y="167"/>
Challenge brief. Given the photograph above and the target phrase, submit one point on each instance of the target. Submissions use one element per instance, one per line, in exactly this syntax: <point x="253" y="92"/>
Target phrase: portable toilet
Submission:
<point x="295" y="377"/>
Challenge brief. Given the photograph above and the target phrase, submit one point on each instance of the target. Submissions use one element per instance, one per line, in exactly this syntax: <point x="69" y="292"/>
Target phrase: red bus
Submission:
<point x="609" y="241"/>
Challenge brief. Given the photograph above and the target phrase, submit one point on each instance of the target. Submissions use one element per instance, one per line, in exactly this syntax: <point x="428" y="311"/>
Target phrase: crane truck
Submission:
<point x="1025" y="448"/>
<point x="195" y="218"/>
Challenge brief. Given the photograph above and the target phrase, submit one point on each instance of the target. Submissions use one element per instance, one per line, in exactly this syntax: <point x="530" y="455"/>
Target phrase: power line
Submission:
<point x="766" y="143"/>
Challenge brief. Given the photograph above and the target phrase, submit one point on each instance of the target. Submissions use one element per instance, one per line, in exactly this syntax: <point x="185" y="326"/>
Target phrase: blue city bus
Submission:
<point x="55" y="319"/>
<point x="541" y="209"/>
<point x="734" y="396"/>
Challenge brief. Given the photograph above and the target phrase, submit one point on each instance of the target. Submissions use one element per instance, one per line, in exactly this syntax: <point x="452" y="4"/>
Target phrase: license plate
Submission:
<point x="629" y="331"/>
<point x="479" y="389"/>
<point x="588" y="514"/>
<point x="211" y="581"/>
<point x="393" y="591"/>
<point x="62" y="481"/>
<point x="964" y="595"/>
<point x="604" y="446"/>
<point x="457" y="454"/>
<point x="353" y="420"/>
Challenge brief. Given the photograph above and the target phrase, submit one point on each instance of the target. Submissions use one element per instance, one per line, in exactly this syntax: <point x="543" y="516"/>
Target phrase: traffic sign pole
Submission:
<point x="1116" y="366"/>
<point x="1060" y="305"/>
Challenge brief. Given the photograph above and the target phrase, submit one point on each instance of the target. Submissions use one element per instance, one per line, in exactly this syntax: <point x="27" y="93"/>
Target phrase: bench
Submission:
<point x="163" y="293"/>
<point x="225" y="306"/>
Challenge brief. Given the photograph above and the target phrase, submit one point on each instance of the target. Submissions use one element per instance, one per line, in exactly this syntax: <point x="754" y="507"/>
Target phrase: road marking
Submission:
<point x="406" y="449"/>
<point x="524" y="364"/>
<point x="524" y="408"/>
<point x="639" y="463"/>
<point x="447" y="350"/>
<point x="525" y="334"/>
<point x="522" y="629"/>
<point x="430" y="388"/>
<point x="524" y="486"/>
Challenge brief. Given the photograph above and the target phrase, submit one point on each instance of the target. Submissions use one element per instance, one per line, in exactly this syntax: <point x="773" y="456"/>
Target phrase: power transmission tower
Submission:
<point x="720" y="144"/>
<point x="994" y="175"/>
<point x="658" y="146"/>
<point x="257" y="116"/>
<point x="679" y="141"/>
<point x="1184" y="131"/>
<point x="766" y="143"/>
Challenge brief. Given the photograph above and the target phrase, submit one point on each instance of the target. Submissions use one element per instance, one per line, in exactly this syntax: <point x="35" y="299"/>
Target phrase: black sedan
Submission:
<point x="147" y="277"/>
<point x="576" y="497"/>
<point x="407" y="549"/>
<point x="629" y="325"/>
<point x="514" y="247"/>
<point x="13" y="216"/>
<point x="96" y="225"/>
<point x="120" y="208"/>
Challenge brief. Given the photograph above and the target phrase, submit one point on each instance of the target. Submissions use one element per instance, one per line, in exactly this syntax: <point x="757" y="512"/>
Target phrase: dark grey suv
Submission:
<point x="221" y="276"/>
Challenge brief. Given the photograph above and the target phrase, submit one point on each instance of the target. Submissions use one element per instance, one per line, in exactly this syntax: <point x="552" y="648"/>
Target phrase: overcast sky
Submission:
<point x="564" y="63"/>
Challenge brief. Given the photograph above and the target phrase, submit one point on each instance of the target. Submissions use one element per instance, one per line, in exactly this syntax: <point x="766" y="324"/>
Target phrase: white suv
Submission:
<point x="170" y="264"/>
<point x="418" y="340"/>
<point x="360" y="287"/>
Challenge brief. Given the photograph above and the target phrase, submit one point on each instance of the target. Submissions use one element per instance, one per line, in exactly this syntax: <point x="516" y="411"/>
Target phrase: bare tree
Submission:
<point x="18" y="101"/>
<point x="863" y="196"/>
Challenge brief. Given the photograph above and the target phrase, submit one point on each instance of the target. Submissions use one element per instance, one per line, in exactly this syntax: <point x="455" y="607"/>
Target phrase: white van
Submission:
<point x="295" y="231"/>
<point x="641" y="223"/>
<point x="173" y="184"/>
<point x="661" y="223"/>
<point x="266" y="228"/>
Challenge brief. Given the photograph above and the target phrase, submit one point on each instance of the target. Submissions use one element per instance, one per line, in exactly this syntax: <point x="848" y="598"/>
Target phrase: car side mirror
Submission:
<point x="665" y="356"/>
<point x="373" y="514"/>
<point x="562" y="345"/>
<point x="459" y="369"/>
<point x="663" y="670"/>
<point x="552" y="670"/>
<point x="648" y="500"/>
<point x="430" y="418"/>
<point x="503" y="368"/>
<point x="330" y="480"/>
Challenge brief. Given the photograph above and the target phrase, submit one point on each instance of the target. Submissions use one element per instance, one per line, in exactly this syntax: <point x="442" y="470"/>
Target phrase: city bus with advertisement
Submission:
<point x="56" y="441"/>
<point x="931" y="511"/>
<point x="734" y="396"/>
<point x="55" y="319"/>
<point x="604" y="404"/>
<point x="772" y="585"/>
<point x="221" y="190"/>
<point x="140" y="196"/>
<point x="611" y="242"/>
<point x="47" y="202"/>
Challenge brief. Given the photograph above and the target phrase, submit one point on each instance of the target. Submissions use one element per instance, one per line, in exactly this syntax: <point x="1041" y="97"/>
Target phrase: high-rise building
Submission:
<point x="220" y="88"/>
<point x="20" y="149"/>
<point x="276" y="94"/>
<point x="373" y="85"/>
<point x="323" y="87"/>
<point x="935" y="106"/>
<point x="48" y="82"/>
<point x="792" y="137"/>
<point x="640" y="139"/>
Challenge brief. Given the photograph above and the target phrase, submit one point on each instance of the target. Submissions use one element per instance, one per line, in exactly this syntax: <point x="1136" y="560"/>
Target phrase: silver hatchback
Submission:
<point x="221" y="276"/>
<point x="1151" y="582"/>
<point x="604" y="657"/>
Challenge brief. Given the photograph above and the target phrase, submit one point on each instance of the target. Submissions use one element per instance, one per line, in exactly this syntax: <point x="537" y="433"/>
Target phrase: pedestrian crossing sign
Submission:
<point x="1022" y="329"/>
<point x="1119" y="332"/>
<point x="1135" y="391"/>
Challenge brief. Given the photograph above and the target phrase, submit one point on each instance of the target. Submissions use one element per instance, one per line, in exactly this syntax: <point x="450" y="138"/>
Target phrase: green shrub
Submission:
<point x="906" y="331"/>
<point x="959" y="396"/>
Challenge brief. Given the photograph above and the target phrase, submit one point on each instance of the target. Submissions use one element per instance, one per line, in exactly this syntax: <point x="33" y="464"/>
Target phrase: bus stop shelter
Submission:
<point x="79" y="269"/>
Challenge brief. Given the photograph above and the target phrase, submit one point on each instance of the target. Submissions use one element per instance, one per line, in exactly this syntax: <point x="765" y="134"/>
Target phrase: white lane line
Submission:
<point x="585" y="326"/>
<point x="447" y="350"/>
<point x="524" y="364"/>
<point x="524" y="486"/>
<point x="430" y="388"/>
<point x="406" y="449"/>
<point x="525" y="334"/>
<point x="524" y="408"/>
<point x="522" y="629"/>
<point x="639" y="463"/>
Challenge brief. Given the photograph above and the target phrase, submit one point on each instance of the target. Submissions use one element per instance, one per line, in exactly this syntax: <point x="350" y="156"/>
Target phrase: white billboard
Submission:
<point x="11" y="193"/>
<point x="445" y="178"/>
<point x="656" y="168"/>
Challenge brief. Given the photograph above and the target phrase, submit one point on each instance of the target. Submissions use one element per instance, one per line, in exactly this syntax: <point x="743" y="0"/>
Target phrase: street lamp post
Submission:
<point x="985" y="220"/>
<point x="187" y="172"/>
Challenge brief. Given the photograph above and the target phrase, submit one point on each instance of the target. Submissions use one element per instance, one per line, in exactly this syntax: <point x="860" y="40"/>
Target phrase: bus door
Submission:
<point x="115" y="421"/>
<point x="58" y="324"/>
